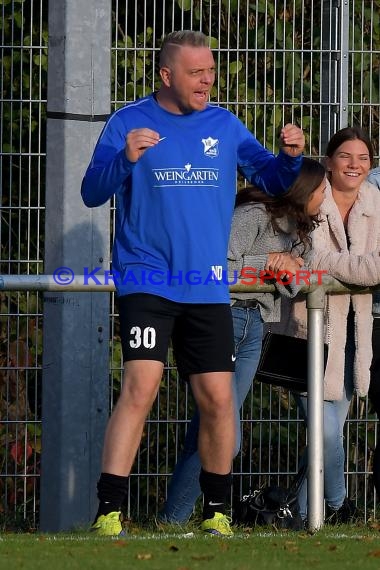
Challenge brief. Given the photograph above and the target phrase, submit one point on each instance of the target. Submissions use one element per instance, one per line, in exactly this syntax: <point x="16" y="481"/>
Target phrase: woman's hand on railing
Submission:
<point x="283" y="261"/>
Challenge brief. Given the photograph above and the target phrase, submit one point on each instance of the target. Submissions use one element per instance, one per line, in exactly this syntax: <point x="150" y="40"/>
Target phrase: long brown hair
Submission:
<point x="292" y="204"/>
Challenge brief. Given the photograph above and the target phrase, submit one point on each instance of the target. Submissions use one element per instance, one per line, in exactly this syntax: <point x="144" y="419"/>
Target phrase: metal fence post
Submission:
<point x="315" y="483"/>
<point x="75" y="398"/>
<point x="329" y="72"/>
<point x="344" y="63"/>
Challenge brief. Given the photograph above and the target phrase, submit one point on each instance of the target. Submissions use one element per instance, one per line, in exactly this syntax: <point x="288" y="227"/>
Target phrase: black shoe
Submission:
<point x="345" y="514"/>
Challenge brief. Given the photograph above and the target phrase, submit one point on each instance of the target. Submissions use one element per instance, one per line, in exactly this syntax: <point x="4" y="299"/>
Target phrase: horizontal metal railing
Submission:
<point x="103" y="283"/>
<point x="316" y="290"/>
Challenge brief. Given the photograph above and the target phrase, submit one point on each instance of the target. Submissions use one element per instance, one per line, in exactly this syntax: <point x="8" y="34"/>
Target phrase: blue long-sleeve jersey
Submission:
<point x="174" y="205"/>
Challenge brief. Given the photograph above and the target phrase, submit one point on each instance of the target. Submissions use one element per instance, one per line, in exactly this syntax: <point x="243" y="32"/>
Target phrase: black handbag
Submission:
<point x="283" y="362"/>
<point x="272" y="506"/>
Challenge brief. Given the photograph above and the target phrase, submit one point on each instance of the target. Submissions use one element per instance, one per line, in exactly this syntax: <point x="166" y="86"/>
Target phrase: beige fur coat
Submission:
<point x="361" y="266"/>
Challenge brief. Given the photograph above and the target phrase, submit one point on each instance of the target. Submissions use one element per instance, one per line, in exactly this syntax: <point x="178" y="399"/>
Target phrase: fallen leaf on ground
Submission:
<point x="374" y="553"/>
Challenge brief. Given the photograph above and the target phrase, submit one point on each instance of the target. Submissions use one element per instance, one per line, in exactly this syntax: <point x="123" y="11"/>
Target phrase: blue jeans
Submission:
<point x="184" y="489"/>
<point x="334" y="417"/>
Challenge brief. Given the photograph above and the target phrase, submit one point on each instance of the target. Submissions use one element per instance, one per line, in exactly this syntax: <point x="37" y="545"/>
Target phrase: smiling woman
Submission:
<point x="348" y="163"/>
<point x="346" y="244"/>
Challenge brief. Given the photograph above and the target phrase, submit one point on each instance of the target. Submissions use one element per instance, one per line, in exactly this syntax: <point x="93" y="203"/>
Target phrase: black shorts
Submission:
<point x="201" y="334"/>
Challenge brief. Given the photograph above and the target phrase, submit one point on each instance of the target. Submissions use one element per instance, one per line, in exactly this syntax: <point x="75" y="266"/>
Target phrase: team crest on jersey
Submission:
<point x="211" y="147"/>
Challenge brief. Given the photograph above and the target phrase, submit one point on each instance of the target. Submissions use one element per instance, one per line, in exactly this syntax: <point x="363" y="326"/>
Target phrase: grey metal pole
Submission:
<point x="75" y="378"/>
<point x="344" y="63"/>
<point x="315" y="483"/>
<point x="61" y="283"/>
<point x="329" y="72"/>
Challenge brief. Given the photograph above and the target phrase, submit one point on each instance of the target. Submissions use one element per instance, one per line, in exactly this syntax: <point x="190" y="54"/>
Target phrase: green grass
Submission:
<point x="356" y="547"/>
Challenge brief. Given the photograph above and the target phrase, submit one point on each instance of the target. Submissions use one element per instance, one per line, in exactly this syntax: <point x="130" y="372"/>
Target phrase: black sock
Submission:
<point x="215" y="489"/>
<point x="111" y="493"/>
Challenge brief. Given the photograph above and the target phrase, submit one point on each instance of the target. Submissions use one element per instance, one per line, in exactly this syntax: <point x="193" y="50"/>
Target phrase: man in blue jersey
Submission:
<point x="171" y="160"/>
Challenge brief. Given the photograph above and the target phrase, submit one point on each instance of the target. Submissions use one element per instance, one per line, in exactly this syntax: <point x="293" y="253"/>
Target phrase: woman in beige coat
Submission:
<point x="347" y="245"/>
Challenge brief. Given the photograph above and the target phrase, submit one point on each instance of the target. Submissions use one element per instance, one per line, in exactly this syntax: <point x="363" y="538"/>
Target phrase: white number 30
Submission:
<point x="147" y="337"/>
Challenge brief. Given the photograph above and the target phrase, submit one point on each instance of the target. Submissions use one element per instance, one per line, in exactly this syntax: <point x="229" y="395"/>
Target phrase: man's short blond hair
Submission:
<point x="174" y="40"/>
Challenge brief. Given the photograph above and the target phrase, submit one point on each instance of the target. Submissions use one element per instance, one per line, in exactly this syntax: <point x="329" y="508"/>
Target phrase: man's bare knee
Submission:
<point x="140" y="384"/>
<point x="218" y="410"/>
<point x="213" y="389"/>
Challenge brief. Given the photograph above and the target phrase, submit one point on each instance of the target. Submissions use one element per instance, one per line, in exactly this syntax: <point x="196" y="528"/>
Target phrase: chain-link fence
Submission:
<point x="22" y="165"/>
<point x="314" y="63"/>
